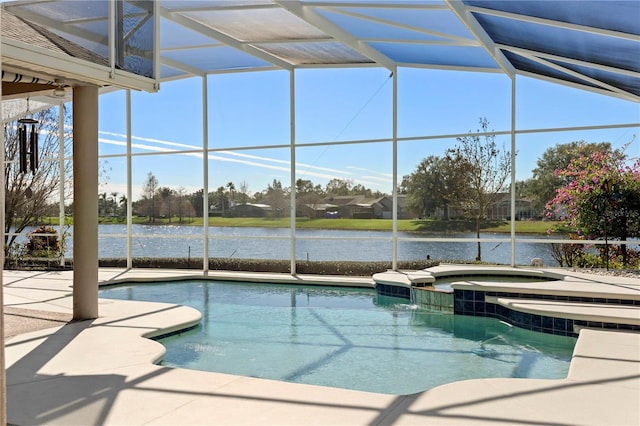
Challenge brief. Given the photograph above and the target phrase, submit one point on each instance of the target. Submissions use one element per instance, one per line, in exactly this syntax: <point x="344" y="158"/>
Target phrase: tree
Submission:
<point x="338" y="187"/>
<point x="542" y="186"/>
<point x="182" y="203"/>
<point x="276" y="197"/>
<point x="307" y="195"/>
<point x="197" y="200"/>
<point x="27" y="194"/>
<point x="485" y="168"/>
<point x="231" y="188"/>
<point x="219" y="200"/>
<point x="123" y="204"/>
<point x="149" y="190"/>
<point x="243" y="192"/>
<point x="436" y="183"/>
<point x="304" y="186"/>
<point x="114" y="201"/>
<point x="167" y="201"/>
<point x="601" y="198"/>
<point x="102" y="204"/>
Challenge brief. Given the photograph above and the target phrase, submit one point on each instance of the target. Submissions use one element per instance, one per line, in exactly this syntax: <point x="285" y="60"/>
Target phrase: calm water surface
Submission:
<point x="273" y="243"/>
<point x="347" y="338"/>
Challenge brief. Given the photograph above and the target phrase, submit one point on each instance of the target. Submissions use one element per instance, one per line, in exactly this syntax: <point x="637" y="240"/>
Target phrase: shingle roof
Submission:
<point x="16" y="28"/>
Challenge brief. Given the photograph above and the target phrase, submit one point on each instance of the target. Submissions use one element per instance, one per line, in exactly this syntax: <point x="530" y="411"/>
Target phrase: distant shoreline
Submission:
<point x="423" y="226"/>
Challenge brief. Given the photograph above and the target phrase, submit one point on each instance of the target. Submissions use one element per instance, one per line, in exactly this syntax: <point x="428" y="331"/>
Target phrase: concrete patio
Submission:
<point x="103" y="371"/>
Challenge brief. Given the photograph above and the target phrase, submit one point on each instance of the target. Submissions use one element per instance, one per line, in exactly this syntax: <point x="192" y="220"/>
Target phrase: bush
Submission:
<point x="584" y="256"/>
<point x="568" y="254"/>
<point x="43" y="242"/>
<point x="350" y="268"/>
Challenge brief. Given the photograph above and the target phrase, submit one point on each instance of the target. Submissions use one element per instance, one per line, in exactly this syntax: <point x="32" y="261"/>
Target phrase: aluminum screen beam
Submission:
<point x="319" y="21"/>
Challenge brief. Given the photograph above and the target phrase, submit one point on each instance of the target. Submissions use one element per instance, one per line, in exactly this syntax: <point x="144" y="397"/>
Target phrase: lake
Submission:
<point x="311" y="244"/>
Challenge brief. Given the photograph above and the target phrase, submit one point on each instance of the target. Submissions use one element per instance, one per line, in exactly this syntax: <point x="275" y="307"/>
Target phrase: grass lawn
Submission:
<point x="408" y="225"/>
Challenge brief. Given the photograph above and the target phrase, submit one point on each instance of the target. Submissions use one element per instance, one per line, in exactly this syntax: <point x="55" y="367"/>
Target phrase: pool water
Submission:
<point x="344" y="337"/>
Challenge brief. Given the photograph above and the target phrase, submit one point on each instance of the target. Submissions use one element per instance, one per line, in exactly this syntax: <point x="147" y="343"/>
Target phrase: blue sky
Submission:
<point x="332" y="105"/>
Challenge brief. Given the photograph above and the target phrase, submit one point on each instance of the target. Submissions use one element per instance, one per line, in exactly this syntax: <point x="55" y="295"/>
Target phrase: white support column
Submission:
<point x="292" y="168"/>
<point x="85" y="202"/>
<point x="394" y="191"/>
<point x="513" y="171"/>
<point x="61" y="182"/>
<point x="129" y="182"/>
<point x="205" y="173"/>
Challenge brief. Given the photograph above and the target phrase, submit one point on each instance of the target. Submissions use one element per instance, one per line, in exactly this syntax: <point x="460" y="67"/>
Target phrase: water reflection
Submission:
<point x="268" y="243"/>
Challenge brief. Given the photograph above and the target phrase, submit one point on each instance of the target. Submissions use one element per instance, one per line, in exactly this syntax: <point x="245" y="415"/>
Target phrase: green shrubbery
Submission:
<point x="43" y="242"/>
<point x="348" y="268"/>
<point x="43" y="246"/>
<point x="577" y="255"/>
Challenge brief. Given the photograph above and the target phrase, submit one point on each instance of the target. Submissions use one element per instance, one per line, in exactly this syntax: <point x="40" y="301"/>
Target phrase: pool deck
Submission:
<point x="103" y="372"/>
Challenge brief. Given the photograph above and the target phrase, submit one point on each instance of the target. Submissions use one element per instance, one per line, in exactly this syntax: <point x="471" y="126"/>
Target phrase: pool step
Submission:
<point x="579" y="311"/>
<point x="605" y="356"/>
<point x="407" y="279"/>
<point x="533" y="313"/>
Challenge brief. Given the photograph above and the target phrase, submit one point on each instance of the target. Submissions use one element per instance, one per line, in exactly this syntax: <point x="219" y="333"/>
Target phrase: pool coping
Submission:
<point x="76" y="374"/>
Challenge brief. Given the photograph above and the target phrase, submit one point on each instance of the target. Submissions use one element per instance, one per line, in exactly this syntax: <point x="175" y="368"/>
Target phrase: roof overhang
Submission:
<point x="26" y="59"/>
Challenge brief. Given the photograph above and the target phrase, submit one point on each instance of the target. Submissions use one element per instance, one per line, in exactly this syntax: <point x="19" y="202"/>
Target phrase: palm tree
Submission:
<point x="102" y="204"/>
<point x="114" y="199"/>
<point x="231" y="188"/>
<point x="123" y="204"/>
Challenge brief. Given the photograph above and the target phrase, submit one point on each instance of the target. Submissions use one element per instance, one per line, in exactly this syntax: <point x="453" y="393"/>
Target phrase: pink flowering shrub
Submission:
<point x="600" y="200"/>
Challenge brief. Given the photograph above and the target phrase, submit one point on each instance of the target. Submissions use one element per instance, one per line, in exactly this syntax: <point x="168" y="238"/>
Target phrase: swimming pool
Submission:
<point x="344" y="337"/>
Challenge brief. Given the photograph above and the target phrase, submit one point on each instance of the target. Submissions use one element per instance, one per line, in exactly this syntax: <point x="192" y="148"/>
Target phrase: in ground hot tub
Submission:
<point x="432" y="288"/>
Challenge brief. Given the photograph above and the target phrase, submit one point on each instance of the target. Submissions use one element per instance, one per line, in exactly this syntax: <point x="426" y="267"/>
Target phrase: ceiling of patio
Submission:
<point x="594" y="45"/>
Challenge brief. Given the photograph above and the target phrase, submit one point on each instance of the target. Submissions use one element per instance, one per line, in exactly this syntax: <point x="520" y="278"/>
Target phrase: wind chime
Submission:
<point x="28" y="143"/>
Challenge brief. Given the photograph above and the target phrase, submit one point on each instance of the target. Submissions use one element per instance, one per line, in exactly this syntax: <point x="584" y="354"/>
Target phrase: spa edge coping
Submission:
<point x="551" y="283"/>
<point x="410" y="278"/>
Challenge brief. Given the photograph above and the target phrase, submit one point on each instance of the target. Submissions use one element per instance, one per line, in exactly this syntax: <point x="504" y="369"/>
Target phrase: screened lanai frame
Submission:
<point x="512" y="239"/>
<point x="132" y="238"/>
<point x="465" y="36"/>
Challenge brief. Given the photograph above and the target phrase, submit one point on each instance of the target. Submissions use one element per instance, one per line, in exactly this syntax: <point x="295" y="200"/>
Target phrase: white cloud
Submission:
<point x="262" y="162"/>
